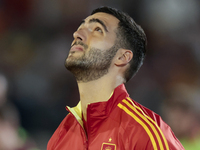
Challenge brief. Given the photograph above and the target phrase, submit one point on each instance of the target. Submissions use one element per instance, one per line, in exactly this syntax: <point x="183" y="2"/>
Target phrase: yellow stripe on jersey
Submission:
<point x="147" y="121"/>
<point x="141" y="123"/>
<point x="164" y="139"/>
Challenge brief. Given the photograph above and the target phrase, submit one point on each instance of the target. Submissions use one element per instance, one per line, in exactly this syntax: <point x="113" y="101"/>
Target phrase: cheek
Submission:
<point x="103" y="44"/>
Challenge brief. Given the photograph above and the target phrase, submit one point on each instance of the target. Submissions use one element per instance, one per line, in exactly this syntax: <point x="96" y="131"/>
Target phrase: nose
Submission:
<point x="80" y="35"/>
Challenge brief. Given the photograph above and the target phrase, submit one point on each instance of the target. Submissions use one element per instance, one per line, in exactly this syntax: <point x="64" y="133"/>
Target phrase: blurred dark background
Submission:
<point x="35" y="87"/>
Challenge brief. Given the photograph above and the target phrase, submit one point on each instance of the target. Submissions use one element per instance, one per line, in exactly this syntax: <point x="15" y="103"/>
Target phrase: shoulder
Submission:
<point x="63" y="126"/>
<point x="135" y="112"/>
<point x="67" y="123"/>
<point x="144" y="126"/>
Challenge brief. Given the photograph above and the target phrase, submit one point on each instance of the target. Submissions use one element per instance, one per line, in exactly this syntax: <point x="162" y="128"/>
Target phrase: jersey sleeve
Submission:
<point x="146" y="130"/>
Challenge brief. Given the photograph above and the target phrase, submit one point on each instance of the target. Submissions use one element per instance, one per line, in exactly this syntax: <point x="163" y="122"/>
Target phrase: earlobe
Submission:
<point x="124" y="57"/>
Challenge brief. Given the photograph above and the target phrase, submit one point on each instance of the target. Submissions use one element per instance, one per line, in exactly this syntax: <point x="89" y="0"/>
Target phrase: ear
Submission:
<point x="123" y="57"/>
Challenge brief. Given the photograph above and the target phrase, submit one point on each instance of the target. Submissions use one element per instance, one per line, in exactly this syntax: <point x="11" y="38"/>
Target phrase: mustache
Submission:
<point x="80" y="43"/>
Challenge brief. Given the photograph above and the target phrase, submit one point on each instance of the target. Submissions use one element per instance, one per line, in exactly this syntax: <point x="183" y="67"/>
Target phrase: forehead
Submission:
<point x="110" y="21"/>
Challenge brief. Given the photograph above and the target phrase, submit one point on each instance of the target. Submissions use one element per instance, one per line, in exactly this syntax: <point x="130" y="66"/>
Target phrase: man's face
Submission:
<point x="93" y="47"/>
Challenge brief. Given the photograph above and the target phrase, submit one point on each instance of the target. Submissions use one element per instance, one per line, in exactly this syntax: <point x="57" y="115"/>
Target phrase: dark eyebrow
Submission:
<point x="98" y="21"/>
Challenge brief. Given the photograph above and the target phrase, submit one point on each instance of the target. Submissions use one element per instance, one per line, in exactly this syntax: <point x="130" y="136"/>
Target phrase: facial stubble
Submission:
<point x="92" y="65"/>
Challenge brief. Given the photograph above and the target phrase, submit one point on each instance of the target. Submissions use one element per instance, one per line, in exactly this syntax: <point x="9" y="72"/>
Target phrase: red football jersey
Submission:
<point x="117" y="124"/>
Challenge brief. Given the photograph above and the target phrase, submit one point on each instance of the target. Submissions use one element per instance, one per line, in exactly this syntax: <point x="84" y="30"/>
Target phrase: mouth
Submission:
<point x="76" y="48"/>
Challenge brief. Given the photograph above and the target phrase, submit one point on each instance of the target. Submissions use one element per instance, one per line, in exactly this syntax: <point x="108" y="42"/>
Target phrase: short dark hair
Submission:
<point x="130" y="36"/>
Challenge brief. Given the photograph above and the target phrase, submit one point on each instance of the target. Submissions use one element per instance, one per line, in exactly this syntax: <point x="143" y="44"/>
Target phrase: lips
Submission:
<point x="76" y="48"/>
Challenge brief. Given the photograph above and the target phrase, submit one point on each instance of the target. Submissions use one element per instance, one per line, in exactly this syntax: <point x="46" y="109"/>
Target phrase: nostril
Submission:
<point x="79" y="38"/>
<point x="79" y="34"/>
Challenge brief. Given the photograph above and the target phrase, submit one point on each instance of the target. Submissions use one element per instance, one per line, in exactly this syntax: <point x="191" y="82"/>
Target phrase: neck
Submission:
<point x="96" y="91"/>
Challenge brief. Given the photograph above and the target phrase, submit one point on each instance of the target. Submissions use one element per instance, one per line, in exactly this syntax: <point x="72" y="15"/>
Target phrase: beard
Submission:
<point x="92" y="65"/>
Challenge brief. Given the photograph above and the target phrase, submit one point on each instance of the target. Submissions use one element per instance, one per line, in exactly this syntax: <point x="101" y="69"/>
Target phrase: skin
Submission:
<point x="95" y="35"/>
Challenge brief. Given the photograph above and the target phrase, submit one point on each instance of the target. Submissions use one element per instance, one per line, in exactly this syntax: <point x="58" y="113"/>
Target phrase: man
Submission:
<point x="108" y="49"/>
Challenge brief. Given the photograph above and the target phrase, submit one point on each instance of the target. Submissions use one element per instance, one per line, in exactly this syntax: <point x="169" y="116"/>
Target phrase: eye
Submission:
<point x="98" y="29"/>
